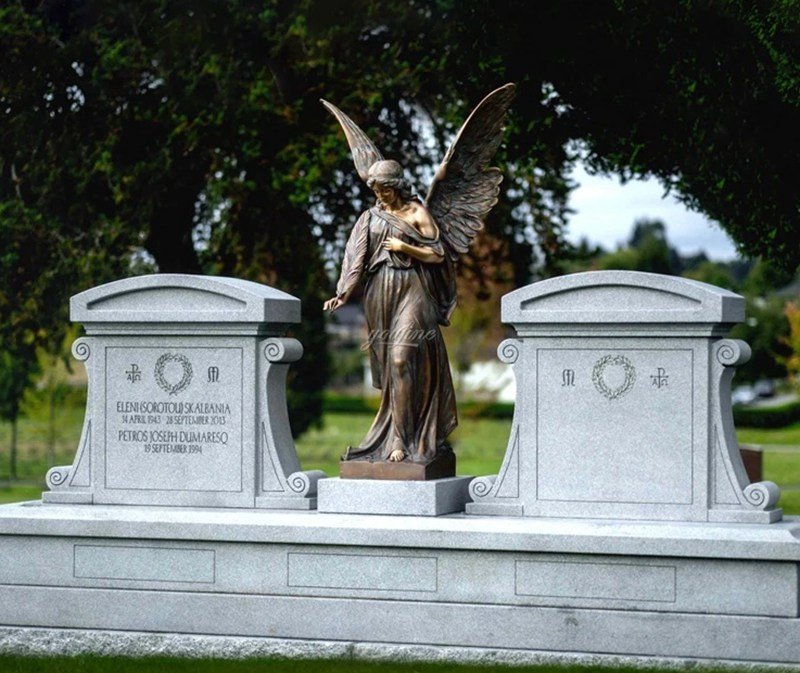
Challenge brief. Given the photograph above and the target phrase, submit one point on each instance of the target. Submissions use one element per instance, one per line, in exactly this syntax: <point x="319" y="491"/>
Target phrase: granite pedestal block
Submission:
<point x="401" y="498"/>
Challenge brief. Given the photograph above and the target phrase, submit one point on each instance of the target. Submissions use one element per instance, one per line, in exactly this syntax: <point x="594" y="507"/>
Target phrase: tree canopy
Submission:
<point x="190" y="135"/>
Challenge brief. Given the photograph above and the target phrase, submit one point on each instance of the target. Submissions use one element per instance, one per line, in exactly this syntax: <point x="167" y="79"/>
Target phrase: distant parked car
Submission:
<point x="764" y="388"/>
<point x="743" y="395"/>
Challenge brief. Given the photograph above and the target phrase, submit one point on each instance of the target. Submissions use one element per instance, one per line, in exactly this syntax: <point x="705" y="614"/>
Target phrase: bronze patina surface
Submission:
<point x="406" y="250"/>
<point x="440" y="467"/>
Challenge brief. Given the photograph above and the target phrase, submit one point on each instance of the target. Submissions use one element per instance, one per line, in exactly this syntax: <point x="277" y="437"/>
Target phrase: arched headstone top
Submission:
<point x="187" y="396"/>
<point x="182" y="299"/>
<point x="615" y="298"/>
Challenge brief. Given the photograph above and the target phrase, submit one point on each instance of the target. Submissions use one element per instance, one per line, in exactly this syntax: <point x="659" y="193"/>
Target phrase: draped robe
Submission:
<point x="405" y="301"/>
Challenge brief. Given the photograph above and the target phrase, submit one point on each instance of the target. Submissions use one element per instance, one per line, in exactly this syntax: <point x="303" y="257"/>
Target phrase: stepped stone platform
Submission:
<point x="538" y="587"/>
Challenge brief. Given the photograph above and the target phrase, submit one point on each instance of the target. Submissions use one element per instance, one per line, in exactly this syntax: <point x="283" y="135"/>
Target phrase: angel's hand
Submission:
<point x="394" y="244"/>
<point x="332" y="304"/>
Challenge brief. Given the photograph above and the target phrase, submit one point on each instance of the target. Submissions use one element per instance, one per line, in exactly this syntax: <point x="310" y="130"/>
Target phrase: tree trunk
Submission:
<point x="51" y="430"/>
<point x="12" y="473"/>
<point x="170" y="239"/>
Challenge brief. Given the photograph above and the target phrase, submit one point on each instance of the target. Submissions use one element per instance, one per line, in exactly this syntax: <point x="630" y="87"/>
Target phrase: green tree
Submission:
<point x="646" y="230"/>
<point x="16" y="371"/>
<point x="625" y="259"/>
<point x="765" y="330"/>
<point x="649" y="239"/>
<point x="193" y="131"/>
<point x="764" y="278"/>
<point x="647" y="250"/>
<point x="714" y="273"/>
<point x="792" y="342"/>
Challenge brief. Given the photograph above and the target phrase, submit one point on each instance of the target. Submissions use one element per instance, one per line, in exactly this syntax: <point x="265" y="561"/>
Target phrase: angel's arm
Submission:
<point x="427" y="255"/>
<point x="355" y="255"/>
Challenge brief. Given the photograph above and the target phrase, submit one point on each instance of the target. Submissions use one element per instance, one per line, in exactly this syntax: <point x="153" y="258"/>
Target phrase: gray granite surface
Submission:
<point x="623" y="404"/>
<point x="187" y="396"/>
<point x="621" y="528"/>
<point x="621" y="301"/>
<point x="154" y="302"/>
<point x="779" y="541"/>
<point x="400" y="498"/>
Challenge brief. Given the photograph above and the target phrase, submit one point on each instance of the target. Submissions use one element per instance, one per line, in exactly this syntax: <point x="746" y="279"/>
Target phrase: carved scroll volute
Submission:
<point x="73" y="483"/>
<point x="732" y="353"/>
<point x="81" y="349"/>
<point x="305" y="483"/>
<point x="56" y="477"/>
<point x="279" y="456"/>
<point x="728" y="468"/>
<point x="483" y="489"/>
<point x="281" y="484"/>
<point x="283" y="350"/>
<point x="508" y="352"/>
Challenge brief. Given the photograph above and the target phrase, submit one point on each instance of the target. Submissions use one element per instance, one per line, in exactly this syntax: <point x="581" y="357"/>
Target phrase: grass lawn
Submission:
<point x="782" y="467"/>
<point x="479" y="443"/>
<point x="18" y="493"/>
<point x="788" y="436"/>
<point x="33" y="441"/>
<point x="173" y="665"/>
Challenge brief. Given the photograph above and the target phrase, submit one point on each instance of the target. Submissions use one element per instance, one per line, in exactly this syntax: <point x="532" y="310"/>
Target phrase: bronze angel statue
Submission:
<point x="406" y="249"/>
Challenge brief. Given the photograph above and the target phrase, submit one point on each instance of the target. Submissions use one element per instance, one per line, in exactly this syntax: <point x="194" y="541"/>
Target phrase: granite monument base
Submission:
<point x="401" y="498"/>
<point x="568" y="587"/>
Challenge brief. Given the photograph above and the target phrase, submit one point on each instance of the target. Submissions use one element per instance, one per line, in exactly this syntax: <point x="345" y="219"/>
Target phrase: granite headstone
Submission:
<point x="186" y="400"/>
<point x="623" y="407"/>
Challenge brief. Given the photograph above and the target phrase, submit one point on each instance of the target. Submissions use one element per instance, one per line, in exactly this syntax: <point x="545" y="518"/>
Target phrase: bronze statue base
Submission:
<point x="441" y="467"/>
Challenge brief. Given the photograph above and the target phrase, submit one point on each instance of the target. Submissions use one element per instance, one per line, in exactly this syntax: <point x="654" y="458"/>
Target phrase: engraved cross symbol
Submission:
<point x="213" y="374"/>
<point x="134" y="374"/>
<point x="660" y="378"/>
<point x="568" y="378"/>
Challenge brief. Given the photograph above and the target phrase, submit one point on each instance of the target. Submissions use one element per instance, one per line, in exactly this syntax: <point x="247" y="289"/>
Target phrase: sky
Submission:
<point x="606" y="211"/>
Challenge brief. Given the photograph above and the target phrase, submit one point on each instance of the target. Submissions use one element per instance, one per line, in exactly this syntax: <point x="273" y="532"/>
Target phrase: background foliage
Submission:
<point x="188" y="137"/>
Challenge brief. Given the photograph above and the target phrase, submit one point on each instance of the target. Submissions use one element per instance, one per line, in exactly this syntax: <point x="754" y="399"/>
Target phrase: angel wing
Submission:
<point x="465" y="188"/>
<point x="362" y="148"/>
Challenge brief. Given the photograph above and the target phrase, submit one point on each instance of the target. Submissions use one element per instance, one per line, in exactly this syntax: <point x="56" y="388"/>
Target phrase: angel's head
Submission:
<point x="385" y="178"/>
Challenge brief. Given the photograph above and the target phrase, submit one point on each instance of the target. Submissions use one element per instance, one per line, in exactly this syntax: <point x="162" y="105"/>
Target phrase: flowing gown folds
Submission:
<point x="405" y="302"/>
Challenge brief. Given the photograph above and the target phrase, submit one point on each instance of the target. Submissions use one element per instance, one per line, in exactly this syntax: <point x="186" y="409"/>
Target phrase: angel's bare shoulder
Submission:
<point x="423" y="220"/>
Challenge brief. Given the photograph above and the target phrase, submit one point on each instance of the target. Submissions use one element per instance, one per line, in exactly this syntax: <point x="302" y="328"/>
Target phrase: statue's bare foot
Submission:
<point x="396" y="456"/>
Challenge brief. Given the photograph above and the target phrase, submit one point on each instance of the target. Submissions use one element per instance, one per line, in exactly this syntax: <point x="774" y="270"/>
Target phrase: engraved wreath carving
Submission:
<point x="598" y="376"/>
<point x="186" y="378"/>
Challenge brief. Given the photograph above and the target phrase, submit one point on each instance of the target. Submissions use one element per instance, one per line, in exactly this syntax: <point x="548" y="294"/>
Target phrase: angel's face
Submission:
<point x="386" y="194"/>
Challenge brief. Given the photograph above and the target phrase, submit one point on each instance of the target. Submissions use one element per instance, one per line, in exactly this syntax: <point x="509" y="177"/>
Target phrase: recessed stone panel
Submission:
<point x="615" y="425"/>
<point x="616" y="581"/>
<point x="362" y="571"/>
<point x="156" y="564"/>
<point x="173" y="418"/>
